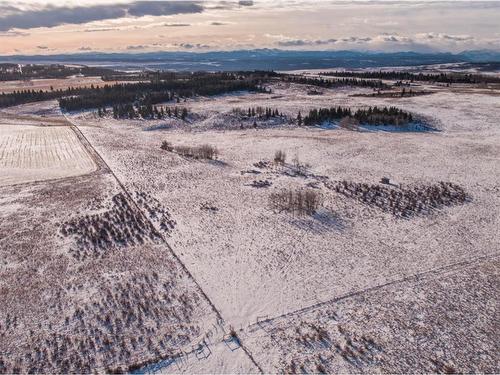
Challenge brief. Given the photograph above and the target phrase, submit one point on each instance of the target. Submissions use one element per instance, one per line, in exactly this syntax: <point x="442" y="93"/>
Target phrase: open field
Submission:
<point x="408" y="325"/>
<point x="273" y="262"/>
<point x="52" y="83"/>
<point x="64" y="313"/>
<point x="88" y="282"/>
<point x="166" y="262"/>
<point x="36" y="152"/>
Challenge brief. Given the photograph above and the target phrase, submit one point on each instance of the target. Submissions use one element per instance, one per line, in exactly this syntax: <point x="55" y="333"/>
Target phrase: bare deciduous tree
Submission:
<point x="300" y="202"/>
<point x="279" y="157"/>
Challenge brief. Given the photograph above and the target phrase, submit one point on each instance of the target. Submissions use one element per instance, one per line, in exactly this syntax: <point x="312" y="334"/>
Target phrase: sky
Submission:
<point x="71" y="26"/>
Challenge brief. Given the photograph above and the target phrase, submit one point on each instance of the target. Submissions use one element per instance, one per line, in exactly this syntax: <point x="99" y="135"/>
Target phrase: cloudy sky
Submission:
<point x="57" y="26"/>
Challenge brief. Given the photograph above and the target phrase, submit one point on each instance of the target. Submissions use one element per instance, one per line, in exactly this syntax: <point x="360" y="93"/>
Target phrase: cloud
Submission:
<point x="53" y="16"/>
<point x="169" y="24"/>
<point x="101" y="29"/>
<point x="42" y="47"/>
<point x="291" y="42"/>
<point x="83" y="48"/>
<point x="287" y="41"/>
<point x="444" y="37"/>
<point x="384" y="41"/>
<point x="162" y="8"/>
<point x="137" y="47"/>
<point x="392" y="38"/>
<point x="191" y="45"/>
<point x="218" y="23"/>
<point x="13" y="33"/>
<point x="8" y="9"/>
<point x="356" y="39"/>
<point x="50" y="15"/>
<point x="386" y="23"/>
<point x="228" y="5"/>
<point x="305" y="42"/>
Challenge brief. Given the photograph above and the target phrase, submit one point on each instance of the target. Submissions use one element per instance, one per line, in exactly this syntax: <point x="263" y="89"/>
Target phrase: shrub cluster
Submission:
<point x="404" y="202"/>
<point x="205" y="151"/>
<point x="167" y="146"/>
<point x="118" y="328"/>
<point x="120" y="226"/>
<point x="300" y="202"/>
<point x="396" y="94"/>
<point x="326" y="344"/>
<point x="279" y="157"/>
<point x="155" y="211"/>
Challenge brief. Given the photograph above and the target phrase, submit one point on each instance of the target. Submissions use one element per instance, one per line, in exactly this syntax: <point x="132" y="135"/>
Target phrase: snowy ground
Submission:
<point x="36" y="152"/>
<point x="440" y="321"/>
<point x="360" y="265"/>
<point x="46" y="84"/>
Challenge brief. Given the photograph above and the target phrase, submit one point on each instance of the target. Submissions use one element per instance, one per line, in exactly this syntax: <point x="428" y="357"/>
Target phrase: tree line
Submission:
<point x="260" y="112"/>
<point x="16" y="72"/>
<point x="154" y="92"/>
<point x="395" y="94"/>
<point x="165" y="75"/>
<point x="370" y="116"/>
<point x="29" y="96"/>
<point x="131" y="111"/>
<point x="145" y="93"/>
<point x="331" y="83"/>
<point x="448" y="78"/>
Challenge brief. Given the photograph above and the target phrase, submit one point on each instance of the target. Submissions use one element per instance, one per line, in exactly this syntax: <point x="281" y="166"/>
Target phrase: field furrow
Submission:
<point x="33" y="153"/>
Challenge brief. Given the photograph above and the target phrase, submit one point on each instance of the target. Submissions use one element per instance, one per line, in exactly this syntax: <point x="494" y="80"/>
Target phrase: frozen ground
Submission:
<point x="440" y="322"/>
<point x="55" y="83"/>
<point x="352" y="288"/>
<point x="72" y="303"/>
<point x="255" y="263"/>
<point x="35" y="152"/>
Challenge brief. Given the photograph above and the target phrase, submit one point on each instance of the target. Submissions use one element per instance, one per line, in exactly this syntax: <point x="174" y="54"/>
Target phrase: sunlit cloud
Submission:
<point x="133" y="25"/>
<point x="51" y="16"/>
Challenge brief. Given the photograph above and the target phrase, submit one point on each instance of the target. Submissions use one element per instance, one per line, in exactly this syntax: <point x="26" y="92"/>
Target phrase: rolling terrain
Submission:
<point x="121" y="251"/>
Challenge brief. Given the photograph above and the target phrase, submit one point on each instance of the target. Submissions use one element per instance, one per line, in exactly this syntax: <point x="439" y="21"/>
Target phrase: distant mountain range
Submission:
<point x="259" y="59"/>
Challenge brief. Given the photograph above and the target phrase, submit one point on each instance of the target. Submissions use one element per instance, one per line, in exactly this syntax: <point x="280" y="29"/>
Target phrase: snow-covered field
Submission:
<point x="46" y="84"/>
<point x="35" y="152"/>
<point x="351" y="288"/>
